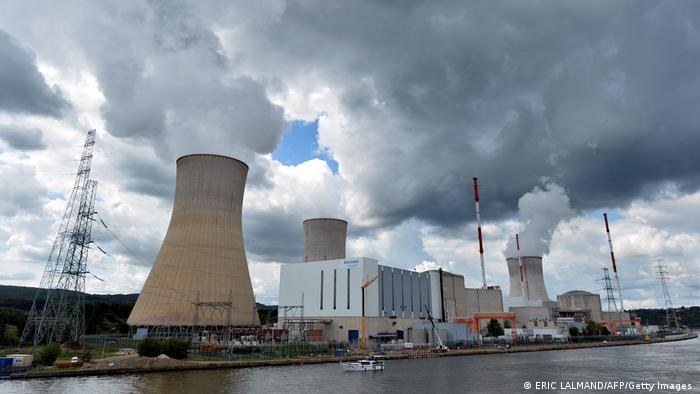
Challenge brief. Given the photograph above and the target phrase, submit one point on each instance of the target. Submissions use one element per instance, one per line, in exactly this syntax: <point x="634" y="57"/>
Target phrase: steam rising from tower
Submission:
<point x="200" y="276"/>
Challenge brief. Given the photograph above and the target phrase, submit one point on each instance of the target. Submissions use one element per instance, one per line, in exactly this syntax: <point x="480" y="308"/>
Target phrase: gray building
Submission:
<point x="579" y="300"/>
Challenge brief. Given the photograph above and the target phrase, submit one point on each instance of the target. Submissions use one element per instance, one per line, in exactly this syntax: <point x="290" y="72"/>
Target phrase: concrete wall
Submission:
<point x="532" y="316"/>
<point x="325" y="286"/>
<point x="483" y="300"/>
<point x="455" y="295"/>
<point x="610" y="316"/>
<point x="402" y="293"/>
<point x="337" y="329"/>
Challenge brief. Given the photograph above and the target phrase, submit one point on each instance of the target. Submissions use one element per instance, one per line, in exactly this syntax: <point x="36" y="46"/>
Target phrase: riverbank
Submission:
<point x="203" y="365"/>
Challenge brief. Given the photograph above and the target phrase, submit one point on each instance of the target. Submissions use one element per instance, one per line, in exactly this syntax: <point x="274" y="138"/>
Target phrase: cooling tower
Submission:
<point x="324" y="239"/>
<point x="200" y="276"/>
<point x="532" y="274"/>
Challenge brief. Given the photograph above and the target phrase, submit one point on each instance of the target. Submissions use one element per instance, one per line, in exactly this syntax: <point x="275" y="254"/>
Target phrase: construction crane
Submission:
<point x="441" y="347"/>
<point x="363" y="339"/>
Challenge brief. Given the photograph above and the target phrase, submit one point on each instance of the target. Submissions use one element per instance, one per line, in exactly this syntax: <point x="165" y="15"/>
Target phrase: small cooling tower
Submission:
<point x="200" y="276"/>
<point x="324" y="239"/>
<point x="532" y="274"/>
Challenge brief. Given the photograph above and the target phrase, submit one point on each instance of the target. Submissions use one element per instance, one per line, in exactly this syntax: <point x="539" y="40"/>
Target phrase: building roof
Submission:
<point x="577" y="292"/>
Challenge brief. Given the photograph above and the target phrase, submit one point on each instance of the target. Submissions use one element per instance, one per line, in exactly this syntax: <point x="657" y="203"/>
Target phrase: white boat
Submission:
<point x="363" y="365"/>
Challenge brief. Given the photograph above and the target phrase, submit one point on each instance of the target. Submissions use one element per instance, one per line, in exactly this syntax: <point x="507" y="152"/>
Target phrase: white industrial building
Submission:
<point x="324" y="296"/>
<point x="329" y="295"/>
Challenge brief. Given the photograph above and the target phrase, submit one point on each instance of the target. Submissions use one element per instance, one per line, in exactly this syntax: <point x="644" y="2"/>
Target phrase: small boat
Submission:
<point x="363" y="365"/>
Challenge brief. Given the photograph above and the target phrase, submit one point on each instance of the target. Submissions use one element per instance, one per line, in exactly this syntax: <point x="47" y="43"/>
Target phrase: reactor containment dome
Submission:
<point x="200" y="276"/>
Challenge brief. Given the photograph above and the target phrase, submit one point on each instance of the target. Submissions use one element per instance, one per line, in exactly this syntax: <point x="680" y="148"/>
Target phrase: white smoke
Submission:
<point x="540" y="211"/>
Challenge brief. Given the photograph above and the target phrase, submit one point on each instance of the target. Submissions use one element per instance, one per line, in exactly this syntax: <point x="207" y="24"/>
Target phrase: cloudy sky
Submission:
<point x="377" y="112"/>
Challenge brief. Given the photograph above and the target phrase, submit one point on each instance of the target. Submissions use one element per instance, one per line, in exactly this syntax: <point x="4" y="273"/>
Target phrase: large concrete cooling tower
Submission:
<point x="532" y="274"/>
<point x="324" y="239"/>
<point x="200" y="276"/>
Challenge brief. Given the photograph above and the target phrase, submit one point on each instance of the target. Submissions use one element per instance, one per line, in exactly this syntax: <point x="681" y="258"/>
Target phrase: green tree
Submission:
<point x="49" y="353"/>
<point x="175" y="348"/>
<point x="494" y="328"/>
<point x="573" y="331"/>
<point x="149" y="347"/>
<point x="592" y="328"/>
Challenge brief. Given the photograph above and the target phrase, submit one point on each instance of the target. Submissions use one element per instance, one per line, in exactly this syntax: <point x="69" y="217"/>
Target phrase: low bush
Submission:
<point x="149" y="347"/>
<point x="49" y="353"/>
<point x="175" y="348"/>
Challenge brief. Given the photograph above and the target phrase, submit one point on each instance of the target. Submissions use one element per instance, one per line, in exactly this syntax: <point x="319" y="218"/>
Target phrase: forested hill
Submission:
<point x="687" y="316"/>
<point x="22" y="297"/>
<point x="104" y="313"/>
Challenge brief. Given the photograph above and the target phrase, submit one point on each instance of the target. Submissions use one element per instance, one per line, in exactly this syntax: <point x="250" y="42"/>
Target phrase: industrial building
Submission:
<point x="328" y="295"/>
<point x="200" y="276"/>
<point x="579" y="301"/>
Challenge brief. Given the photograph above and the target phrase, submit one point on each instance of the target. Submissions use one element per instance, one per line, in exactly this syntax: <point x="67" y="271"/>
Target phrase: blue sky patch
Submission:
<point x="598" y="214"/>
<point x="300" y="144"/>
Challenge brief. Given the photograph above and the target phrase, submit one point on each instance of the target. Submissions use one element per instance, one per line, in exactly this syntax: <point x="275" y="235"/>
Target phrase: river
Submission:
<point x="668" y="363"/>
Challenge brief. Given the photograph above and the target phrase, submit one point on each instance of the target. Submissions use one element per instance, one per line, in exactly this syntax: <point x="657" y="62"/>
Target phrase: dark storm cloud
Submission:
<point x="596" y="96"/>
<point x="273" y="236"/>
<point x="171" y="84"/>
<point x="145" y="174"/>
<point x="22" y="138"/>
<point x="24" y="89"/>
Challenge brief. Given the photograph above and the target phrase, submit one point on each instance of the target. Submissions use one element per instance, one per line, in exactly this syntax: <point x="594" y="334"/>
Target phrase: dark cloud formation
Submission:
<point x="22" y="138"/>
<point x="170" y="84"/>
<point x="24" y="89"/>
<point x="598" y="97"/>
<point x="278" y="239"/>
<point x="145" y="174"/>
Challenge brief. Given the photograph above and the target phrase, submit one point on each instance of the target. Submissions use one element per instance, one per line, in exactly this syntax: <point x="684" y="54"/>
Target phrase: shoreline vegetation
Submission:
<point x="154" y="364"/>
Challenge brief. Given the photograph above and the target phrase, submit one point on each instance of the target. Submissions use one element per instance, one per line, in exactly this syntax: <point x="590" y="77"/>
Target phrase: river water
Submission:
<point x="668" y="363"/>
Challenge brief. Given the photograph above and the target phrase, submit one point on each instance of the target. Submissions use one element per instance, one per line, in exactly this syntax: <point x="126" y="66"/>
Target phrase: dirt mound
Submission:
<point x="135" y="362"/>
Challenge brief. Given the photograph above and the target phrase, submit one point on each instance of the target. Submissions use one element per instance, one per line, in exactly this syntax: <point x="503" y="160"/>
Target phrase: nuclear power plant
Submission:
<point x="200" y="276"/>
<point x="200" y="283"/>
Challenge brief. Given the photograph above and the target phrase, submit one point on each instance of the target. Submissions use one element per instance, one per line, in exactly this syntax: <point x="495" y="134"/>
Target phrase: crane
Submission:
<point x="441" y="346"/>
<point x="363" y="339"/>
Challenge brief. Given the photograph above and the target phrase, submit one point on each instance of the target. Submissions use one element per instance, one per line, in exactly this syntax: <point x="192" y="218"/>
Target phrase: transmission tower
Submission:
<point x="58" y="310"/>
<point x="671" y="318"/>
<point x="610" y="294"/>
